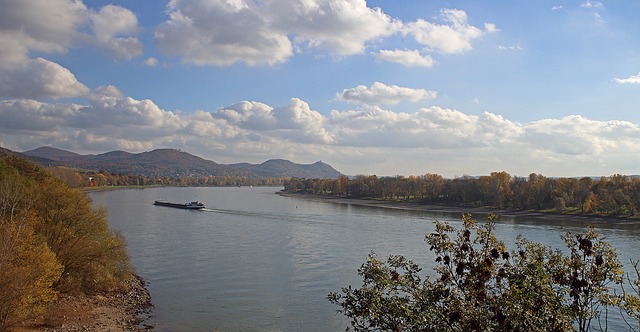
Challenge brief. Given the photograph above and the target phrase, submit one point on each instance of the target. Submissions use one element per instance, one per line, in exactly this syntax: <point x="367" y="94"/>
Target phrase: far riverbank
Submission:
<point x="449" y="209"/>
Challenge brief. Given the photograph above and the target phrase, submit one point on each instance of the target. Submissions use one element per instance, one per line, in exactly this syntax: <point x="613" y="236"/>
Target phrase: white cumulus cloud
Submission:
<point x="222" y="33"/>
<point x="40" y="78"/>
<point x="111" y="21"/>
<point x="577" y="135"/>
<point x="432" y="128"/>
<point x="455" y="36"/>
<point x="28" y="116"/>
<point x="108" y="106"/>
<point x="49" y="26"/>
<point x="633" y="79"/>
<point x="151" y="62"/>
<point x="296" y="121"/>
<point x="112" y="26"/>
<point x="218" y="32"/>
<point x="342" y="27"/>
<point x="380" y="93"/>
<point x="407" y="58"/>
<point x="54" y="26"/>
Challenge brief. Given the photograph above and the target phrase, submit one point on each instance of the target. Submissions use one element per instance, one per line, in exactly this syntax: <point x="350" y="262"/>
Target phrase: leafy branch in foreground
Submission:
<point x="629" y="301"/>
<point x="480" y="285"/>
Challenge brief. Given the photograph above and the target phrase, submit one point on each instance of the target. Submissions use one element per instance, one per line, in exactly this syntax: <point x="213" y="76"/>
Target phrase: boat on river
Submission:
<point x="189" y="205"/>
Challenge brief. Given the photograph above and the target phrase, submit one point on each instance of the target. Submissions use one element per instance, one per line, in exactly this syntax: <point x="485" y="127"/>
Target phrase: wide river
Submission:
<point x="257" y="261"/>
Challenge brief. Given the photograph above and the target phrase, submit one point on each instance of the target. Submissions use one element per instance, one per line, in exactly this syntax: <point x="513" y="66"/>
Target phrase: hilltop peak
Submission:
<point x="50" y="153"/>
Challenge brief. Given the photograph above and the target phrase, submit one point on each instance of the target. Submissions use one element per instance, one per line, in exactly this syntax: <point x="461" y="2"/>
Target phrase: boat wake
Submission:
<point x="236" y="212"/>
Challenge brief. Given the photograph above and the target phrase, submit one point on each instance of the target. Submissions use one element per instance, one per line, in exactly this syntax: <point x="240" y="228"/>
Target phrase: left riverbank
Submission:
<point x="109" y="188"/>
<point x="116" y="311"/>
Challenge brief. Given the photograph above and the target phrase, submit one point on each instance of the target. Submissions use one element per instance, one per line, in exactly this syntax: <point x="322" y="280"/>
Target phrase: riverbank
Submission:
<point x="459" y="210"/>
<point x="118" y="311"/>
<point x="108" y="188"/>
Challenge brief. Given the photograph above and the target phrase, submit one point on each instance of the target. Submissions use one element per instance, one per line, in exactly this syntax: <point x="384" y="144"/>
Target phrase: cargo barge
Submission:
<point x="189" y="205"/>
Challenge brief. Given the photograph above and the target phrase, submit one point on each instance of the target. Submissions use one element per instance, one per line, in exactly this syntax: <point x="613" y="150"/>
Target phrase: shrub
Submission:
<point x="94" y="258"/>
<point x="479" y="285"/>
<point x="27" y="271"/>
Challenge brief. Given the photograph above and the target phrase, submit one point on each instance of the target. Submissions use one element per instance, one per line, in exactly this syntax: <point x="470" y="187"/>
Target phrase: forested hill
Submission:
<point x="279" y="168"/>
<point x="176" y="163"/>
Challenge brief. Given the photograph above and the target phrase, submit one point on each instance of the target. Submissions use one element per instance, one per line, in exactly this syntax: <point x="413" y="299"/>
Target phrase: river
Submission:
<point x="257" y="261"/>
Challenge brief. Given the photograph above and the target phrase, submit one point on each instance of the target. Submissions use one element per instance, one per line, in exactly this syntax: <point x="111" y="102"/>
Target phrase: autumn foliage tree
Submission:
<point x="93" y="258"/>
<point x="27" y="271"/>
<point x="51" y="241"/>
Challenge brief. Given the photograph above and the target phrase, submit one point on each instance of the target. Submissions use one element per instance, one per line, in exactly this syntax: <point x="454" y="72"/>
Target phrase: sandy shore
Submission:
<point x="111" y="312"/>
<point x="459" y="210"/>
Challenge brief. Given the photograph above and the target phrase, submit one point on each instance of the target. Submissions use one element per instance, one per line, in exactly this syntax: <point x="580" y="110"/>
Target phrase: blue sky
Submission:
<point x="380" y="87"/>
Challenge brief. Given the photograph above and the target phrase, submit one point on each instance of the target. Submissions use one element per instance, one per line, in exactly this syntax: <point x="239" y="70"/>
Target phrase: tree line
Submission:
<point x="616" y="195"/>
<point x="52" y="242"/>
<point x="79" y="179"/>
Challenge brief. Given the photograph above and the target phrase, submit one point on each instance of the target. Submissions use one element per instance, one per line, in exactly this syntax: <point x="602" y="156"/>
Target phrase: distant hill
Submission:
<point x="172" y="162"/>
<point x="50" y="153"/>
<point x="38" y="160"/>
<point x="279" y="168"/>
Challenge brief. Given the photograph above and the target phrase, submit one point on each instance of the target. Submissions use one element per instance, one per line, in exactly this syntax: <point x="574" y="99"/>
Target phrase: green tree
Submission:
<point x="629" y="300"/>
<point x="93" y="257"/>
<point x="583" y="192"/>
<point x="590" y="269"/>
<point x="479" y="285"/>
<point x="434" y="185"/>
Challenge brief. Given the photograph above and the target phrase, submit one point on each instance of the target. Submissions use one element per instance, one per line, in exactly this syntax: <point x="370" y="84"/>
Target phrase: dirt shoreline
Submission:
<point x="118" y="311"/>
<point x="459" y="210"/>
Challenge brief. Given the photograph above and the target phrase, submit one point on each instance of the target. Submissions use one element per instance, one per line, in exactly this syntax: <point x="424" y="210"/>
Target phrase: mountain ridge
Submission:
<point x="279" y="168"/>
<point x="175" y="163"/>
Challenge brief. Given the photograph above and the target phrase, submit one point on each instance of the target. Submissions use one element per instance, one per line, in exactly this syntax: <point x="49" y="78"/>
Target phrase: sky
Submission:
<point x="380" y="87"/>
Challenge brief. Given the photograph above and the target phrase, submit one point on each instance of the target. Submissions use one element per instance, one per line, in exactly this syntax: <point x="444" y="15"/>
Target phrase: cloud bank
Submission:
<point x="222" y="33"/>
<point x="380" y="141"/>
<point x="54" y="26"/>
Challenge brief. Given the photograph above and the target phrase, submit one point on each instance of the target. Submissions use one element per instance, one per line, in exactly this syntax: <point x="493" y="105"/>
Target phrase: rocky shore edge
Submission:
<point x="116" y="311"/>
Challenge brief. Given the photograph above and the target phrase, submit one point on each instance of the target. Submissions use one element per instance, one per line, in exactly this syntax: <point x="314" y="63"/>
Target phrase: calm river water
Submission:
<point x="256" y="261"/>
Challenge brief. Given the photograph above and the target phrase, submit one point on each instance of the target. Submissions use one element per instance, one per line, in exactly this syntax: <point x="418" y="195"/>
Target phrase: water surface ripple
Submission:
<point x="256" y="261"/>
